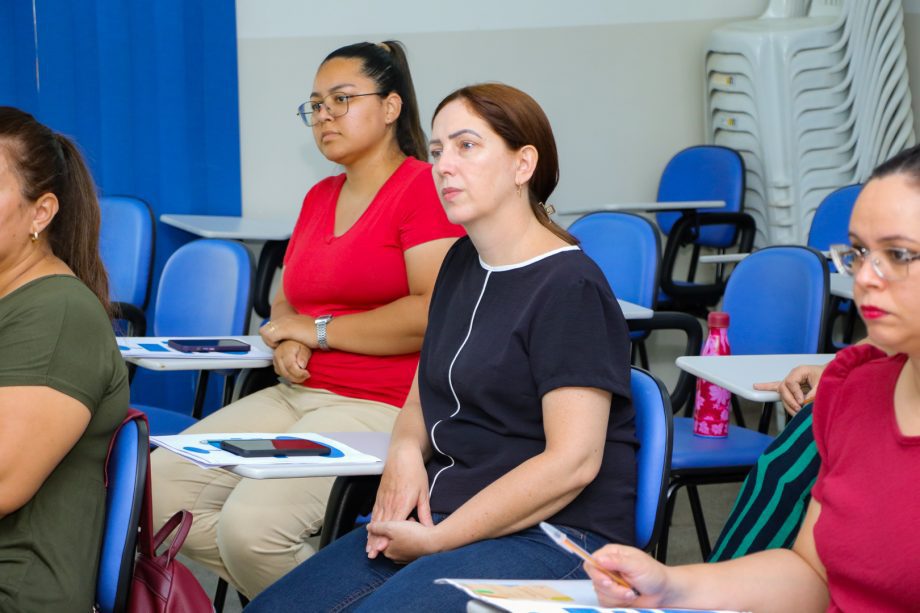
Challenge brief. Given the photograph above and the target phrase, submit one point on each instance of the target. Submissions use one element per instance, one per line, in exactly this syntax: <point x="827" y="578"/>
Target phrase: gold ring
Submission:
<point x="271" y="325"/>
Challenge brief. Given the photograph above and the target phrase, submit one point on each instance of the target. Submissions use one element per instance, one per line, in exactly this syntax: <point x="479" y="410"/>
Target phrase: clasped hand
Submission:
<point x="403" y="488"/>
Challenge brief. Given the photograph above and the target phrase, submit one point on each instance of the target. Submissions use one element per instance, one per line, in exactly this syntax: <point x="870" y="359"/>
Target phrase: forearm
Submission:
<point x="773" y="580"/>
<point x="392" y="329"/>
<point x="282" y="308"/>
<point x="533" y="491"/>
<point x="409" y="432"/>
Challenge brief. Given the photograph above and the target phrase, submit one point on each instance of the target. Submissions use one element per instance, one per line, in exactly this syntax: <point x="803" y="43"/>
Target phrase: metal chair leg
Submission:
<point x="702" y="534"/>
<point x="201" y="390"/>
<point x="661" y="554"/>
<point x="220" y="595"/>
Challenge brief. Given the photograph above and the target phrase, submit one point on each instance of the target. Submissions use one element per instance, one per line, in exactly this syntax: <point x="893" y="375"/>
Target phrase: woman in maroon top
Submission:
<point x="858" y="548"/>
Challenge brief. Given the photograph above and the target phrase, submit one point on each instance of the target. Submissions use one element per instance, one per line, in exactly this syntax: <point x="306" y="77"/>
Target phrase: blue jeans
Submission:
<point x="342" y="578"/>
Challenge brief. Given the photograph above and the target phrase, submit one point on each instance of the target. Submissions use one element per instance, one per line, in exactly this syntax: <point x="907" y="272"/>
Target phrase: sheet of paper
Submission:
<point x="519" y="596"/>
<point x="204" y="449"/>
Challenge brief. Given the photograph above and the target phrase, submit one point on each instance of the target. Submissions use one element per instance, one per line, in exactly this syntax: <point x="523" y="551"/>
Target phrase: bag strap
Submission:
<point x="131" y="415"/>
<point x="181" y="520"/>
<point x="147" y="541"/>
<point x="144" y="537"/>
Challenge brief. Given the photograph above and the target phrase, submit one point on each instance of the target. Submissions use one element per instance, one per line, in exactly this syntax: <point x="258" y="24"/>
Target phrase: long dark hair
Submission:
<point x="46" y="162"/>
<point x="519" y="121"/>
<point x="388" y="66"/>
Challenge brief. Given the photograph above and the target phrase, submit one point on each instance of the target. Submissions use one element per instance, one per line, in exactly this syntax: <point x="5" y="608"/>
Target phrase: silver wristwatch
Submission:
<point x="321" y="323"/>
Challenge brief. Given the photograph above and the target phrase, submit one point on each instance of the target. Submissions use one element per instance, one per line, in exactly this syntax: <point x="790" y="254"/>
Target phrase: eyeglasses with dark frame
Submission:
<point x="890" y="264"/>
<point x="336" y="104"/>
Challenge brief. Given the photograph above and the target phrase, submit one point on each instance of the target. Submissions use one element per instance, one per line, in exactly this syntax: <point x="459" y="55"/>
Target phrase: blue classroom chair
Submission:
<point x="703" y="172"/>
<point x="654" y="430"/>
<point x="126" y="244"/>
<point x="126" y="472"/>
<point x="777" y="299"/>
<point x="627" y="250"/>
<point x="205" y="290"/>
<point x="831" y="226"/>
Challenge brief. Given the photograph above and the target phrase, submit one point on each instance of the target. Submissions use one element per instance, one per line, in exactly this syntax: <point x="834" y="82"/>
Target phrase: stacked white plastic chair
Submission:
<point x="813" y="95"/>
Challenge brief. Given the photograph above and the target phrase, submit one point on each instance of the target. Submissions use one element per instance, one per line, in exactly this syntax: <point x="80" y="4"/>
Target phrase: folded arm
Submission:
<point x="392" y="329"/>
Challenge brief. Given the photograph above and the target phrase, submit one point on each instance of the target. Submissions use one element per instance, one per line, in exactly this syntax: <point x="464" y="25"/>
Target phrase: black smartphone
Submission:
<point x="193" y="345"/>
<point x="267" y="447"/>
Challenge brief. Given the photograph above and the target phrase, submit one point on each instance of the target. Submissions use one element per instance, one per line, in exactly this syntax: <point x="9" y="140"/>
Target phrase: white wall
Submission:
<point x="621" y="80"/>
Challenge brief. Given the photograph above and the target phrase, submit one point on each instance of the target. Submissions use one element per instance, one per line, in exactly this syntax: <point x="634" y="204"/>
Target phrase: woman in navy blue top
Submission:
<point x="520" y="411"/>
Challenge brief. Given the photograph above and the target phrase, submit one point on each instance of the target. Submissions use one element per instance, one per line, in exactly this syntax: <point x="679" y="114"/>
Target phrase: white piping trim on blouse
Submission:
<point x="450" y="382"/>
<point x="527" y="262"/>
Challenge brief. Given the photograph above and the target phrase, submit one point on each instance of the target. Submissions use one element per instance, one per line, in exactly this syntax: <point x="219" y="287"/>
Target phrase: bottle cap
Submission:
<point x="717" y="319"/>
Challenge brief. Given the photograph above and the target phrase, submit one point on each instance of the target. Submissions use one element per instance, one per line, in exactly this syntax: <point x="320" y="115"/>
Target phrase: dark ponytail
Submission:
<point x="46" y="162"/>
<point x="388" y="66"/>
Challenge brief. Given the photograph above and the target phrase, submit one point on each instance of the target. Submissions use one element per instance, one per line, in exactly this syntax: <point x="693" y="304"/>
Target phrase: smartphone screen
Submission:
<point x="190" y="345"/>
<point x="266" y="447"/>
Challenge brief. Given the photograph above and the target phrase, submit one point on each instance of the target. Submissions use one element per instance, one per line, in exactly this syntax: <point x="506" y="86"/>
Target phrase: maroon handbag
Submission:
<point x="162" y="584"/>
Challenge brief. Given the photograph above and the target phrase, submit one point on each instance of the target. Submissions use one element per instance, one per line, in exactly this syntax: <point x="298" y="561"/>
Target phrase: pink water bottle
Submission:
<point x="713" y="403"/>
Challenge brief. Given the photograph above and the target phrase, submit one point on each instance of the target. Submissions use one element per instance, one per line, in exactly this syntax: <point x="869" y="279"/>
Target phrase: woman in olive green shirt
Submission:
<point x="63" y="385"/>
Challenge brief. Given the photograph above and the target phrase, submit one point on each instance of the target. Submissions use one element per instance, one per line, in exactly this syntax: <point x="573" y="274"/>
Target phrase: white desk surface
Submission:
<point x="632" y="310"/>
<point x="722" y="258"/>
<point x="739" y="373"/>
<point x="239" y="228"/>
<point x="373" y="443"/>
<point x="653" y="207"/>
<point x="216" y="363"/>
<point x="841" y="285"/>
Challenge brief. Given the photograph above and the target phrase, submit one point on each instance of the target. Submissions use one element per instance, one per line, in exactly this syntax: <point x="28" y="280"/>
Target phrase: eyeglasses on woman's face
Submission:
<point x="336" y="104"/>
<point x="890" y="264"/>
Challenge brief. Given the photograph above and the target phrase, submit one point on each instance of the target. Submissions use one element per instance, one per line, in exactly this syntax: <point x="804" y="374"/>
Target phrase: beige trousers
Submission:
<point x="253" y="531"/>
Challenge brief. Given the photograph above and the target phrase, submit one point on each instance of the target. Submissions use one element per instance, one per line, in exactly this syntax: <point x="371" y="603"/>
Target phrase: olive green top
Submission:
<point x="55" y="333"/>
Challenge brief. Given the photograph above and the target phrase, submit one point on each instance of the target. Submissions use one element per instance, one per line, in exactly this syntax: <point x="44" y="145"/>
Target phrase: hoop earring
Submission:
<point x="34" y="237"/>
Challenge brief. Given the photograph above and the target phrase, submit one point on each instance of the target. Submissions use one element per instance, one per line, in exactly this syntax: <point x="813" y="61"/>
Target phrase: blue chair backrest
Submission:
<point x="127" y="472"/>
<point x="831" y="222"/>
<point x="205" y="290"/>
<point x="626" y="248"/>
<point x="704" y="172"/>
<point x="776" y="299"/>
<point x="654" y="431"/>
<point x="126" y="241"/>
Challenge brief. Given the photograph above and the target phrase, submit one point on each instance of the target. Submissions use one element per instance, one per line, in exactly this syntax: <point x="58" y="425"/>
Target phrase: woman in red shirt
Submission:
<point x="858" y="548"/>
<point x="347" y="323"/>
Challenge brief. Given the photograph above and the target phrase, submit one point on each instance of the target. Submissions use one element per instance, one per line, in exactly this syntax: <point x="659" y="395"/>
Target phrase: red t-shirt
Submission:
<point x="868" y="533"/>
<point x="362" y="269"/>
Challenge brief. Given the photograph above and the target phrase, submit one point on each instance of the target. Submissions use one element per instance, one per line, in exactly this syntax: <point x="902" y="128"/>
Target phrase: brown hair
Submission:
<point x="46" y="162"/>
<point x="519" y="121"/>
<point x="388" y="66"/>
